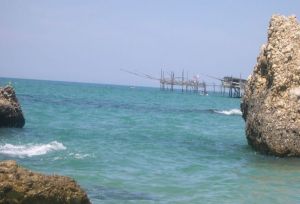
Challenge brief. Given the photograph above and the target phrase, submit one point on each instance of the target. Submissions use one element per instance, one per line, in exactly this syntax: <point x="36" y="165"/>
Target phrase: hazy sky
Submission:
<point x="91" y="41"/>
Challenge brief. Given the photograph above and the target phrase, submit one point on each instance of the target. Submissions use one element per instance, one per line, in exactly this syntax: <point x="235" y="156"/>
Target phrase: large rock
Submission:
<point x="10" y="110"/>
<point x="271" y="104"/>
<point x="19" y="185"/>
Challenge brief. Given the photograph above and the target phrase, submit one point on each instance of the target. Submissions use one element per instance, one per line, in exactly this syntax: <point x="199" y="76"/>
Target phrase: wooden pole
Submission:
<point x="182" y="81"/>
<point x="160" y="82"/>
<point x="163" y="76"/>
<point x="172" y="80"/>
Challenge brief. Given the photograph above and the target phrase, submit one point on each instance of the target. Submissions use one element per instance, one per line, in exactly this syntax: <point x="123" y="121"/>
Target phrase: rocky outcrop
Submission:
<point x="271" y="104"/>
<point x="10" y="110"/>
<point x="19" y="185"/>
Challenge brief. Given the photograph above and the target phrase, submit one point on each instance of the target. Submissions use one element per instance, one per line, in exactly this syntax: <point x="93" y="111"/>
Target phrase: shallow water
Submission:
<point x="141" y="145"/>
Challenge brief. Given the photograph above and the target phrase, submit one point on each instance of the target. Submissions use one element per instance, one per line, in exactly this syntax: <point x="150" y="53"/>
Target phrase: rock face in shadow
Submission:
<point x="10" y="110"/>
<point x="271" y="104"/>
<point x="19" y="185"/>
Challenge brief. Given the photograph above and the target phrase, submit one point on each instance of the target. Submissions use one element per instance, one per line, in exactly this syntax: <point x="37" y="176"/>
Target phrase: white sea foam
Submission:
<point x="229" y="112"/>
<point x="30" y="150"/>
<point x="79" y="156"/>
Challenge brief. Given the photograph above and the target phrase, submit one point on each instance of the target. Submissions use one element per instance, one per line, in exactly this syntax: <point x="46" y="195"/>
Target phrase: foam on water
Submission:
<point x="30" y="150"/>
<point x="79" y="156"/>
<point x="229" y="112"/>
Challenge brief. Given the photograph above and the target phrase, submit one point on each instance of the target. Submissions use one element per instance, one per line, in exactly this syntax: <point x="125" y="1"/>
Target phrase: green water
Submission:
<point x="142" y="145"/>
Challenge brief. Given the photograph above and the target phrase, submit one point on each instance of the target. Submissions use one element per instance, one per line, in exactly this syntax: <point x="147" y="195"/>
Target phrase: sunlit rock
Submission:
<point x="19" y="185"/>
<point x="271" y="104"/>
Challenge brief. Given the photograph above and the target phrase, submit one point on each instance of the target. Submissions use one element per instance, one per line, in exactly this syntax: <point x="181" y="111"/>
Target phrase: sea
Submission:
<point x="126" y="144"/>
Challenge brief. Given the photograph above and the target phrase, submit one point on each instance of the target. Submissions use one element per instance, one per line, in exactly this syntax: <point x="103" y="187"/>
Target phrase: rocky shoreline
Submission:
<point x="19" y="185"/>
<point x="271" y="104"/>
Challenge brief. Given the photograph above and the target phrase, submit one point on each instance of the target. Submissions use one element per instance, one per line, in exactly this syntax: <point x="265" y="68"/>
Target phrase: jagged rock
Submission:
<point x="271" y="104"/>
<point x="19" y="185"/>
<point x="10" y="110"/>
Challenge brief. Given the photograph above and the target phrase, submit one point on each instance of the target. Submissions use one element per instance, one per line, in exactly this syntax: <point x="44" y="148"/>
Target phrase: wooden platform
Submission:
<point x="185" y="84"/>
<point x="235" y="86"/>
<point x="232" y="85"/>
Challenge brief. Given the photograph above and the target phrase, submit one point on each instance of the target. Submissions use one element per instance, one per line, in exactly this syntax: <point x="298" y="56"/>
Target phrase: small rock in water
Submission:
<point x="10" y="110"/>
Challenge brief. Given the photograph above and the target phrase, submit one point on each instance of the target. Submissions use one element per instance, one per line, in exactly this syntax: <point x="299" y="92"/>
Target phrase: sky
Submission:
<point x="91" y="41"/>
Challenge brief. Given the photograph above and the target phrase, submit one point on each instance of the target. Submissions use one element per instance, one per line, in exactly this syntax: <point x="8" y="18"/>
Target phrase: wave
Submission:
<point x="79" y="156"/>
<point x="30" y="150"/>
<point x="229" y="112"/>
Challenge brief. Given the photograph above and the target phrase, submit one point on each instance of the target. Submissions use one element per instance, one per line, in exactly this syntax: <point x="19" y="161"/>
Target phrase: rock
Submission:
<point x="271" y="104"/>
<point x="10" y="110"/>
<point x="19" y="185"/>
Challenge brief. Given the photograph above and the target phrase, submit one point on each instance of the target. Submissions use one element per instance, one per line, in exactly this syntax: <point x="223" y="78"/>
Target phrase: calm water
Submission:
<point x="141" y="145"/>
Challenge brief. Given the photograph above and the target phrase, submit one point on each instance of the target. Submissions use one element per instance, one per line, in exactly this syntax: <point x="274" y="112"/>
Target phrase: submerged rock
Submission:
<point x="271" y="104"/>
<point x="19" y="185"/>
<point x="10" y="110"/>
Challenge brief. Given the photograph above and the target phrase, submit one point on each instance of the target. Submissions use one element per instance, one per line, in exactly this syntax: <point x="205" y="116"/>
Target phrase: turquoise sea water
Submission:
<point x="142" y="145"/>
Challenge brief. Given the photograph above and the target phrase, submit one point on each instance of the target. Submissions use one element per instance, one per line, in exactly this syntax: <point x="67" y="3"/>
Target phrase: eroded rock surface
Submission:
<point x="10" y="110"/>
<point x="271" y="104"/>
<point x="19" y="185"/>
